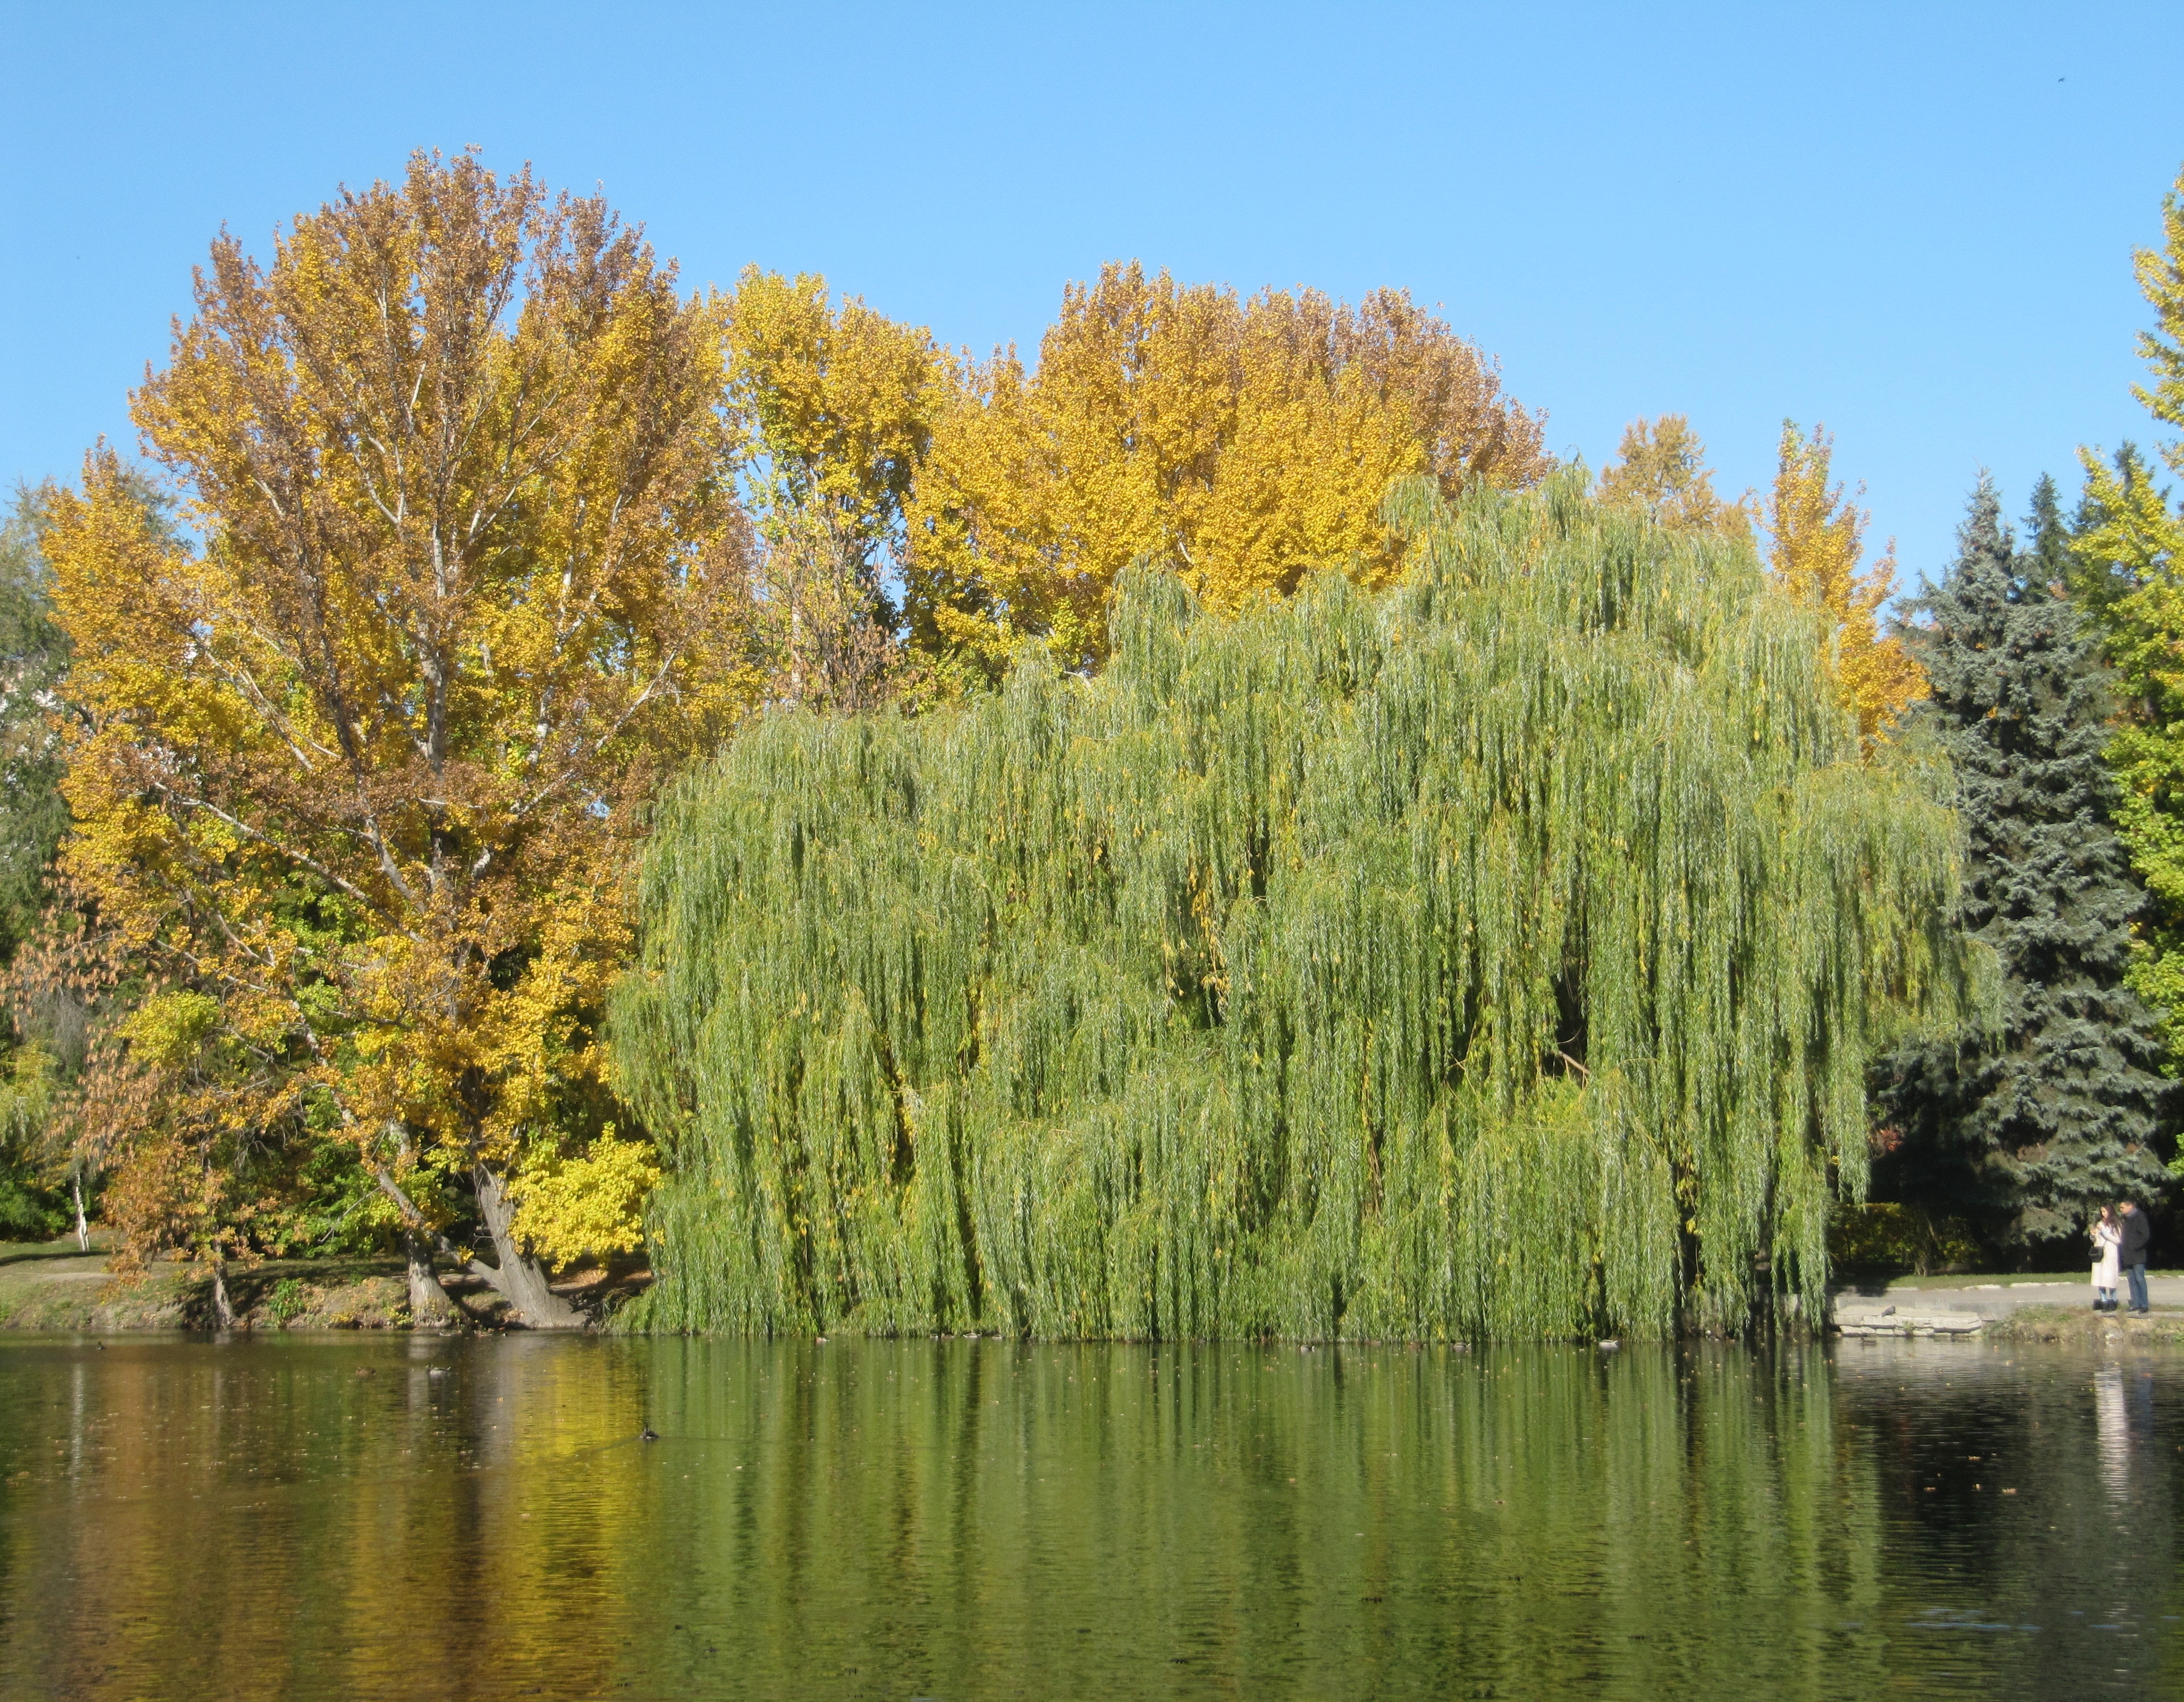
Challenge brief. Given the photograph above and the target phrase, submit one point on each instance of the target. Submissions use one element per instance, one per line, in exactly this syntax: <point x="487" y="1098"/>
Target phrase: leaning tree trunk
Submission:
<point x="519" y="1277"/>
<point x="516" y="1279"/>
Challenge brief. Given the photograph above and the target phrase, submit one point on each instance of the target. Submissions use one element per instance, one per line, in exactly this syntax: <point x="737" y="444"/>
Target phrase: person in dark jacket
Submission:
<point x="2136" y="1232"/>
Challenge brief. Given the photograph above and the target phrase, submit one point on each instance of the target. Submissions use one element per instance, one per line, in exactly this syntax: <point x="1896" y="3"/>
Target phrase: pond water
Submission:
<point x="290" y="1517"/>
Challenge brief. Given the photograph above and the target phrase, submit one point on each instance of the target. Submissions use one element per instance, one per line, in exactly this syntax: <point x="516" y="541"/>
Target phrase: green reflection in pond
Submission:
<point x="423" y="1519"/>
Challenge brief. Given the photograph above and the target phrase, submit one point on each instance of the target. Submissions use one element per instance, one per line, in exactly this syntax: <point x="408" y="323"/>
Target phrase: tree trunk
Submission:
<point x="223" y="1314"/>
<point x="83" y="1227"/>
<point x="516" y="1279"/>
<point x="430" y="1308"/>
<point x="519" y="1277"/>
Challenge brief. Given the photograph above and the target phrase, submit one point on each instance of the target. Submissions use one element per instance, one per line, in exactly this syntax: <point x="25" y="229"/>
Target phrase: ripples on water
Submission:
<point x="477" y="1519"/>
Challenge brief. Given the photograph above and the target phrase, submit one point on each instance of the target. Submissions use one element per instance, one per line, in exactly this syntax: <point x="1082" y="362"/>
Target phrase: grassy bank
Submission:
<point x="54" y="1287"/>
<point x="2074" y="1275"/>
<point x="2080" y="1325"/>
<point x="60" y="1288"/>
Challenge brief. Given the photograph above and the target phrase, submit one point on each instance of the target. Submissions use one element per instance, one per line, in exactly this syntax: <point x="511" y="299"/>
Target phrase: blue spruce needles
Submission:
<point x="1499" y="956"/>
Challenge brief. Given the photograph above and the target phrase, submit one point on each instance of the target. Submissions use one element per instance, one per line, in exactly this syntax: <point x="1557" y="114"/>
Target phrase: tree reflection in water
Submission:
<point x="971" y="1519"/>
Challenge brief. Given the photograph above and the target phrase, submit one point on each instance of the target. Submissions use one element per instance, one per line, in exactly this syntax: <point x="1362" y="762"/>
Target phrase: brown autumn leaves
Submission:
<point x="498" y="528"/>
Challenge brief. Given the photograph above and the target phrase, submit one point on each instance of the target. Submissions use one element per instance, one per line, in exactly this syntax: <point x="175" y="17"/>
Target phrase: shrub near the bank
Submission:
<point x="1885" y="1238"/>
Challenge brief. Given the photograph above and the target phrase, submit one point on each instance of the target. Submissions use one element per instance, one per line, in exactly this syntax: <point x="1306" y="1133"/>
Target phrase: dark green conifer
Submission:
<point x="2047" y="564"/>
<point x="2024" y="1122"/>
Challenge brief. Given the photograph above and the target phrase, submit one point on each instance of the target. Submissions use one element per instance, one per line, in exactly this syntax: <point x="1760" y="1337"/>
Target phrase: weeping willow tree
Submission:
<point x="1498" y="956"/>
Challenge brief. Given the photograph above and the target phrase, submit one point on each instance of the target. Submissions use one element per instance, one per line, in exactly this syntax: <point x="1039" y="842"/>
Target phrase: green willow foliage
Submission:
<point x="1499" y="956"/>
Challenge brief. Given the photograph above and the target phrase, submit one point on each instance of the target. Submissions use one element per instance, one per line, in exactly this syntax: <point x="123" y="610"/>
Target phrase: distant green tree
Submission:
<point x="2121" y="573"/>
<point x="2024" y="1120"/>
<point x="2110" y="556"/>
<point x="33" y="657"/>
<point x="2129" y="545"/>
<point x="40" y="1044"/>
<point x="33" y="816"/>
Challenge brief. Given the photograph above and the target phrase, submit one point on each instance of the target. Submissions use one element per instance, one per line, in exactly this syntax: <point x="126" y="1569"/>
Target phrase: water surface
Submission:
<point x="417" y="1518"/>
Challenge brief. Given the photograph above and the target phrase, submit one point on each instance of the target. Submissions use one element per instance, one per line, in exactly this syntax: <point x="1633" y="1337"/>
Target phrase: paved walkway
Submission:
<point x="1994" y="1297"/>
<point x="1961" y="1306"/>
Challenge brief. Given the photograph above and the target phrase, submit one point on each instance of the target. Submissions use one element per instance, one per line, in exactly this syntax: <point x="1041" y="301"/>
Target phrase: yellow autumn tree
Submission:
<point x="1660" y="469"/>
<point x="1818" y="536"/>
<point x="1247" y="442"/>
<point x="836" y="406"/>
<point x="2130" y="580"/>
<point x="359" y="776"/>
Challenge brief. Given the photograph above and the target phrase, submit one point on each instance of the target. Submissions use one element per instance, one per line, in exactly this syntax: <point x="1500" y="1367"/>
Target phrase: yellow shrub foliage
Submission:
<point x="586" y="1207"/>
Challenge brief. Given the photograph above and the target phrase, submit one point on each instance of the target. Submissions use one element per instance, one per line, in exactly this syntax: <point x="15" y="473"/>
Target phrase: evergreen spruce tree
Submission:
<point x="2048" y="565"/>
<point x="2025" y="1121"/>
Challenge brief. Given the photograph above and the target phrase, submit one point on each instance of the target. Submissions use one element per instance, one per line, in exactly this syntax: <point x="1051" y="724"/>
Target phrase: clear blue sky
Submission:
<point x="1912" y="221"/>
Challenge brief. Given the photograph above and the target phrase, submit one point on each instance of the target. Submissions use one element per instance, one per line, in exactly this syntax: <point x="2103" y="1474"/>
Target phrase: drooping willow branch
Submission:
<point x="1498" y="957"/>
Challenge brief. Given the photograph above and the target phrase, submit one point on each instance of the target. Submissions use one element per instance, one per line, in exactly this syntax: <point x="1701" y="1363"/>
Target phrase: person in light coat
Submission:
<point x="2107" y="1240"/>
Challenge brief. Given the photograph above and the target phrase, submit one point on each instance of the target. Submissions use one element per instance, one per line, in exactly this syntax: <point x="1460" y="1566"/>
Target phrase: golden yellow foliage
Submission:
<point x="836" y="407"/>
<point x="838" y="403"/>
<point x="1819" y="538"/>
<point x="368" y="767"/>
<point x="167" y="1028"/>
<point x="1246" y="442"/>
<point x="2134" y="531"/>
<point x="1660" y="470"/>
<point x="586" y="1207"/>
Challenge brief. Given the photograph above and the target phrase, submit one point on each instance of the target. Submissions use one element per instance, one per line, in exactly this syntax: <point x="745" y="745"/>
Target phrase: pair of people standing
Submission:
<point x="2119" y="1240"/>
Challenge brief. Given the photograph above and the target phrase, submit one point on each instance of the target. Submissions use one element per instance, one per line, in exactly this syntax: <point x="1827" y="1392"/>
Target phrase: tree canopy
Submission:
<point x="2128" y="550"/>
<point x="486" y="529"/>
<point x="1660" y="468"/>
<point x="835" y="407"/>
<point x="1817" y="535"/>
<point x="33" y="818"/>
<point x="1500" y="953"/>
<point x="1129" y="874"/>
<point x="33" y="659"/>
<point x="356" y="775"/>
<point x="1247" y="440"/>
